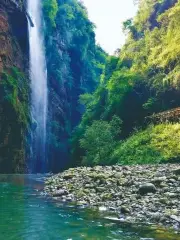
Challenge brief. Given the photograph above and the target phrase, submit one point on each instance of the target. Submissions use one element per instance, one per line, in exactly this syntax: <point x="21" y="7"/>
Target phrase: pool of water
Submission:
<point x="27" y="215"/>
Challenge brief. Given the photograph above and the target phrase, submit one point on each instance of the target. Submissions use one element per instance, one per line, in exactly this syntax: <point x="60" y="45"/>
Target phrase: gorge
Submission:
<point x="107" y="126"/>
<point x="59" y="89"/>
<point x="52" y="54"/>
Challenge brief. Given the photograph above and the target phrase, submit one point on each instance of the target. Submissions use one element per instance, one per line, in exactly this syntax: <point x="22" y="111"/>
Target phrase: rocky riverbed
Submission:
<point x="148" y="193"/>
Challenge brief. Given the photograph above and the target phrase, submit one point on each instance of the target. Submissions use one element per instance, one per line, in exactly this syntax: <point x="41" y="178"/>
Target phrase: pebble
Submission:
<point x="146" y="193"/>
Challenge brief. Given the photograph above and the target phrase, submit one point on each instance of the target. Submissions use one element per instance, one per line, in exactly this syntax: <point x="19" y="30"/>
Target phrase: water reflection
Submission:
<point x="26" y="215"/>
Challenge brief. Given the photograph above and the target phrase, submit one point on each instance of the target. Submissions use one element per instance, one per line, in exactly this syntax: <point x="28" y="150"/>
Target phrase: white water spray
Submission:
<point x="38" y="74"/>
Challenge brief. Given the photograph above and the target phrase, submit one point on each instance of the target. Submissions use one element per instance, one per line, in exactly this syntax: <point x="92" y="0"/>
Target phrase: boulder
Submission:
<point x="147" y="188"/>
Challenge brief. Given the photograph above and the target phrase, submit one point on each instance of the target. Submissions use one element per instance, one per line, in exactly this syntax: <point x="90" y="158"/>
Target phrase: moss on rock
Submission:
<point x="14" y="119"/>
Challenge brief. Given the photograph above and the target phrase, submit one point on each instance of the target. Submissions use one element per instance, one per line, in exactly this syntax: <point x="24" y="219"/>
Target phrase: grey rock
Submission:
<point x="147" y="188"/>
<point x="177" y="171"/>
<point x="146" y="238"/>
<point x="60" y="193"/>
<point x="170" y="195"/>
<point x="156" y="216"/>
<point x="176" y="218"/>
<point x="158" y="180"/>
<point x="100" y="189"/>
<point x="125" y="210"/>
<point x="145" y="193"/>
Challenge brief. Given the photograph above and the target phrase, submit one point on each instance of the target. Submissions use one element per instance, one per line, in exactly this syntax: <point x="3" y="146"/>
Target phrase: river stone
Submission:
<point x="163" y="185"/>
<point x="60" y="193"/>
<point x="102" y="208"/>
<point x="147" y="188"/>
<point x="177" y="171"/>
<point x="172" y="180"/>
<point x="125" y="210"/>
<point x="149" y="194"/>
<point x="159" y="180"/>
<point x="81" y="203"/>
<point x="171" y="195"/>
<point x="156" y="216"/>
<point x="176" y="218"/>
<point x="89" y="186"/>
<point x="163" y="200"/>
<point x="146" y="238"/>
<point x="68" y="176"/>
<point x="100" y="189"/>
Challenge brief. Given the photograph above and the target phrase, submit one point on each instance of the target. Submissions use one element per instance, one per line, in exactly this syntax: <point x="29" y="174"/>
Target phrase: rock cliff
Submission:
<point x="74" y="65"/>
<point x="14" y="86"/>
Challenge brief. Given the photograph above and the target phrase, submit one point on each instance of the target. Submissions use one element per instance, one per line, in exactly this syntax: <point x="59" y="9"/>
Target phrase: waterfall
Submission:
<point x="38" y="75"/>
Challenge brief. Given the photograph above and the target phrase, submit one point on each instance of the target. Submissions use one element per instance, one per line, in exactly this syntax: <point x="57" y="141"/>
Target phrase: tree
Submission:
<point x="99" y="141"/>
<point x="127" y="25"/>
<point x="51" y="9"/>
<point x="144" y="78"/>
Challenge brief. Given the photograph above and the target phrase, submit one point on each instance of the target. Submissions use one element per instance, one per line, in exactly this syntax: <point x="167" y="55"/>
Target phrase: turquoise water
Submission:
<point x="27" y="215"/>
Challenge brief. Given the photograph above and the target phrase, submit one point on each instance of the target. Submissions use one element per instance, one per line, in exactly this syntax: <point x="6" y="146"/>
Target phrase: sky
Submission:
<point x="108" y="16"/>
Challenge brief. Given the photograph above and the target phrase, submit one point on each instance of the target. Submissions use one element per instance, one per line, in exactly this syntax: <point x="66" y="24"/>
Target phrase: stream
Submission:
<point x="25" y="214"/>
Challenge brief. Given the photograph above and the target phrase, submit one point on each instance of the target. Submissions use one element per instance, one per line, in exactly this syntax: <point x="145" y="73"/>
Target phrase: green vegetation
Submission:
<point x="74" y="63"/>
<point x="14" y="94"/>
<point x="144" y="79"/>
<point x="97" y="102"/>
<point x="51" y="9"/>
<point x="14" y="119"/>
<point x="156" y="144"/>
<point x="99" y="141"/>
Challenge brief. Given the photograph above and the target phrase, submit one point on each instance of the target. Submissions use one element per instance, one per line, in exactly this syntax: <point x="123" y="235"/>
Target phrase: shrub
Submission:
<point x="156" y="144"/>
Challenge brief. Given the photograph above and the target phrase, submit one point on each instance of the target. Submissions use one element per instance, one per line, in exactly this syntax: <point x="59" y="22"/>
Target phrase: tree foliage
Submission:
<point x="156" y="144"/>
<point x="99" y="140"/>
<point x="144" y="77"/>
<point x="50" y="9"/>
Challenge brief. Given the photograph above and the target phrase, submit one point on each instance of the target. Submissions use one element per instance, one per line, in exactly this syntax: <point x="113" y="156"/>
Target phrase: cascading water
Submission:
<point x="38" y="74"/>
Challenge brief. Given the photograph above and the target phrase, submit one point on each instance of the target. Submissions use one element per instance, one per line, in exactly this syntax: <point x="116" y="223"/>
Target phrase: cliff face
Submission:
<point x="74" y="64"/>
<point x="14" y="86"/>
<point x="13" y="36"/>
